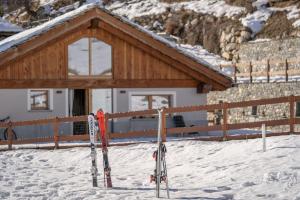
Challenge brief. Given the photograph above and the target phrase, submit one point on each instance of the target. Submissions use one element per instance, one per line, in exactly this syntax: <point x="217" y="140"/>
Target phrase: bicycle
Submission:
<point x="5" y="132"/>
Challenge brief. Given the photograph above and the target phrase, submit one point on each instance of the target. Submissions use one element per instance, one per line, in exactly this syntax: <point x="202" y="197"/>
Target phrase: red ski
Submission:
<point x="106" y="167"/>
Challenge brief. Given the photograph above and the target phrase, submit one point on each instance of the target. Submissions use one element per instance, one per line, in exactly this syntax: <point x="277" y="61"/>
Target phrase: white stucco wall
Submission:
<point x="14" y="103"/>
<point x="181" y="97"/>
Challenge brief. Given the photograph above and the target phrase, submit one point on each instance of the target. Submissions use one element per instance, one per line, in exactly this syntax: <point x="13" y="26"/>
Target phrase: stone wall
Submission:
<point x="219" y="35"/>
<point x="277" y="51"/>
<point x="244" y="92"/>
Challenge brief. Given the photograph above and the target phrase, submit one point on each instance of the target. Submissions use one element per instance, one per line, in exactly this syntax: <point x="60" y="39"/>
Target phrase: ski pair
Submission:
<point x="160" y="172"/>
<point x="93" y="140"/>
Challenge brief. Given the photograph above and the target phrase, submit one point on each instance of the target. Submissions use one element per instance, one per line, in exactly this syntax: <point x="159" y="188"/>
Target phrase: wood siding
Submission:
<point x="130" y="62"/>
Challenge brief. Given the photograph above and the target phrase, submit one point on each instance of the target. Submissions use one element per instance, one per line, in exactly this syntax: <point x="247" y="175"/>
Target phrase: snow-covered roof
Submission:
<point x="26" y="35"/>
<point x="5" y="26"/>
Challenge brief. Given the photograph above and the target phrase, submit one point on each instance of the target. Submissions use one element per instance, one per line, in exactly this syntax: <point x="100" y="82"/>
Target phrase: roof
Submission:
<point x="22" y="37"/>
<point x="6" y="27"/>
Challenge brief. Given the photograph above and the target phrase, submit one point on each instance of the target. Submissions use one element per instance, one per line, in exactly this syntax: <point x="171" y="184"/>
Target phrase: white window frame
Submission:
<point x="50" y="91"/>
<point x="170" y="93"/>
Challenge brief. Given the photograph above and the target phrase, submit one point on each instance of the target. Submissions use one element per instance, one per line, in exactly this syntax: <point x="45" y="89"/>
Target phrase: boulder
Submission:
<point x="245" y="35"/>
<point x="227" y="56"/>
<point x="194" y="22"/>
<point x="231" y="46"/>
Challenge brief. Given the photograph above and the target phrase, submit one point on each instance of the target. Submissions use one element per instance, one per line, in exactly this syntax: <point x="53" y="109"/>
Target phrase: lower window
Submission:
<point x="144" y="102"/>
<point x="39" y="100"/>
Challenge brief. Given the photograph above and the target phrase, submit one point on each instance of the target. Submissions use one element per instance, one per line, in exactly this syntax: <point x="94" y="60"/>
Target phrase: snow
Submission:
<point x="197" y="170"/>
<point x="213" y="59"/>
<point x="256" y="20"/>
<point x="133" y="8"/>
<point x="216" y="8"/>
<point x="5" y="26"/>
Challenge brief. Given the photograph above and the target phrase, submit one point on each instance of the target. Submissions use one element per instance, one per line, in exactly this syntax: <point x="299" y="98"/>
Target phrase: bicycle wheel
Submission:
<point x="6" y="134"/>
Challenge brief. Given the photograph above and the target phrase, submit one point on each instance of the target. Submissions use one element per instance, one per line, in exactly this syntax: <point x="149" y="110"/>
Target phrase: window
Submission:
<point x="39" y="99"/>
<point x="297" y="109"/>
<point x="254" y="110"/>
<point x="144" y="102"/>
<point x="89" y="57"/>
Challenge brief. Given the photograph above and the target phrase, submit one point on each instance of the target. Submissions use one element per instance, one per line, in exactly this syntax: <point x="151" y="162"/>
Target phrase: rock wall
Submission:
<point x="244" y="92"/>
<point x="218" y="35"/>
<point x="275" y="49"/>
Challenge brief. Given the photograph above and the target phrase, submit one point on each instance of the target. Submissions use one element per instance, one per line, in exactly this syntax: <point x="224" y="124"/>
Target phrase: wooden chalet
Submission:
<point x="90" y="58"/>
<point x="39" y="58"/>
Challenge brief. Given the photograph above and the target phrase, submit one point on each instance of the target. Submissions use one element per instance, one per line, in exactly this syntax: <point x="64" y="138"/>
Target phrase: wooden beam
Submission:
<point x="94" y="83"/>
<point x="204" y="88"/>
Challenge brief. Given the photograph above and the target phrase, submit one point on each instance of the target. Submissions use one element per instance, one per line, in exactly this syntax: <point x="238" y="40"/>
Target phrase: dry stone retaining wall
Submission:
<point x="275" y="51"/>
<point x="245" y="92"/>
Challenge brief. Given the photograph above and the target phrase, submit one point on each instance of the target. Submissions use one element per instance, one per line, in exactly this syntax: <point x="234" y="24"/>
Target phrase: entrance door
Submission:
<point x="79" y="107"/>
<point x="85" y="101"/>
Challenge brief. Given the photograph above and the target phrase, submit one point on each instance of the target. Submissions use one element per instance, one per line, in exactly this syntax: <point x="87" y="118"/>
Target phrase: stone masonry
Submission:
<point x="259" y="51"/>
<point x="275" y="50"/>
<point x="246" y="92"/>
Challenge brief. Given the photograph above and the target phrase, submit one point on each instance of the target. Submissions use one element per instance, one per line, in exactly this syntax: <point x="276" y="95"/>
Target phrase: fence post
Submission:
<point x="10" y="135"/>
<point x="263" y="133"/>
<point x="234" y="73"/>
<point x="250" y="72"/>
<point x="292" y="113"/>
<point x="163" y="126"/>
<point x="286" y="70"/>
<point x="225" y="118"/>
<point x="56" y="132"/>
<point x="107" y="131"/>
<point x="268" y="70"/>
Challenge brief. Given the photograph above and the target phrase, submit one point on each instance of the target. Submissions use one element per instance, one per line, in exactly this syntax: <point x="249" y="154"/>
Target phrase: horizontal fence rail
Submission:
<point x="224" y="127"/>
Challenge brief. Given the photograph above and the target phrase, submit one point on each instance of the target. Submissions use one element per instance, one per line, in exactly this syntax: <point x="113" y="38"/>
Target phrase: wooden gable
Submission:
<point x="137" y="59"/>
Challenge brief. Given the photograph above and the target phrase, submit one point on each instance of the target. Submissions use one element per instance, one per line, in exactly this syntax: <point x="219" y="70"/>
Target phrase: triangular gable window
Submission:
<point x="89" y="57"/>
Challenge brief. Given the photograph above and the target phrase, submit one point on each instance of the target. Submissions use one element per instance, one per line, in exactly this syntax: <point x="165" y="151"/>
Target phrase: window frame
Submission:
<point x="297" y="111"/>
<point x="254" y="110"/>
<point x="171" y="96"/>
<point x="49" y="103"/>
<point x="90" y="62"/>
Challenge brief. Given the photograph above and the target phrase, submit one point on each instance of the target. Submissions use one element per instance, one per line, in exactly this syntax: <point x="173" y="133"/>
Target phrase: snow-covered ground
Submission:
<point x="134" y="8"/>
<point x="197" y="170"/>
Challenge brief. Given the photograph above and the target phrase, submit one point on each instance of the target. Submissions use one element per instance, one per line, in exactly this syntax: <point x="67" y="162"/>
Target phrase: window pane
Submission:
<point x="297" y="109"/>
<point x="101" y="58"/>
<point x="139" y="103"/>
<point x="39" y="99"/>
<point x="160" y="101"/>
<point x="101" y="98"/>
<point x="78" y="57"/>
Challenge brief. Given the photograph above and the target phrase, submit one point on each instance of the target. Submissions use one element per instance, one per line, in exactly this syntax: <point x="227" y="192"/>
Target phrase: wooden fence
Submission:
<point x="224" y="127"/>
<point x="268" y="73"/>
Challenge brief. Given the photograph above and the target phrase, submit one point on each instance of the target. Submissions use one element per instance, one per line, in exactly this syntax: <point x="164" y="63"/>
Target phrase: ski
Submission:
<point x="160" y="172"/>
<point x="106" y="166"/>
<point x="93" y="140"/>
